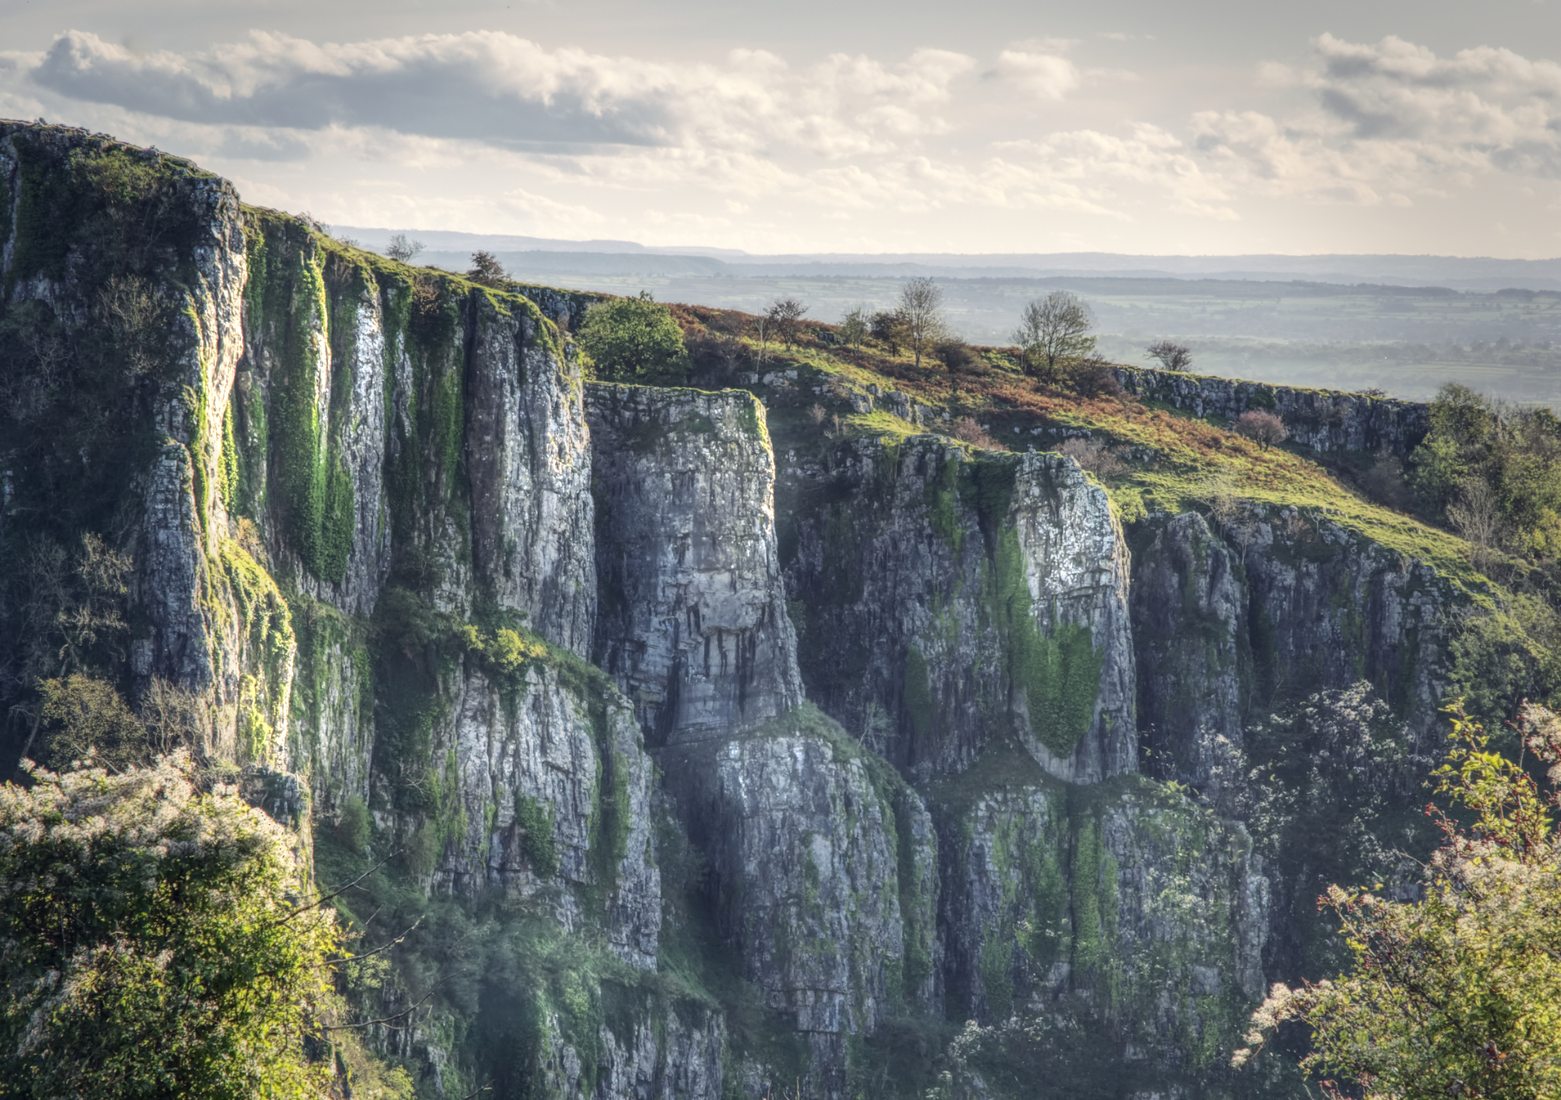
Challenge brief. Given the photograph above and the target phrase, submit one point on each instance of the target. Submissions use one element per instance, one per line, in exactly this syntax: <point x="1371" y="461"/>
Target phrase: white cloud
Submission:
<point x="1043" y="75"/>
<point x="502" y="90"/>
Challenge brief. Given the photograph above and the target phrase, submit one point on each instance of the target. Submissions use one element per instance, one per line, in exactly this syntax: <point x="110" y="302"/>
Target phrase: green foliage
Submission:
<point x="81" y="718"/>
<point x="154" y="940"/>
<point x="535" y="819"/>
<point x="505" y="652"/>
<point x="634" y="338"/>
<point x="1507" y="654"/>
<point x="355" y="825"/>
<point x="1494" y="473"/>
<point x="310" y="469"/>
<point x="1457" y="990"/>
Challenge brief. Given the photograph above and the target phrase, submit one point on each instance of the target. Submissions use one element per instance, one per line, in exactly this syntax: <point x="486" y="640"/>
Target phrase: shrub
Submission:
<point x="1170" y="355"/>
<point x="152" y="933"/>
<point x="1092" y="377"/>
<point x="82" y="716"/>
<point x="535" y="819"/>
<point x="1262" y="427"/>
<point x="969" y="430"/>
<point x="486" y="269"/>
<point x="1095" y="457"/>
<point x="1456" y="991"/>
<point x="854" y="327"/>
<point x="633" y="337"/>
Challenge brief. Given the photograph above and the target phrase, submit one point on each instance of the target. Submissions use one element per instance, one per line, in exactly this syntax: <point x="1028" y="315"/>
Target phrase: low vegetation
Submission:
<point x="158" y="934"/>
<point x="1455" y="984"/>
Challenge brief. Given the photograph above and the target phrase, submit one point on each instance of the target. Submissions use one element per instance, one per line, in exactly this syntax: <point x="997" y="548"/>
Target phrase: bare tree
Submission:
<point x="763" y="329"/>
<point x="921" y="309"/>
<point x="784" y="315"/>
<point x="1476" y="515"/>
<point x="1262" y="427"/>
<point x="486" y="269"/>
<point x="403" y="248"/>
<point x="1172" y="356"/>
<point x="1054" y="331"/>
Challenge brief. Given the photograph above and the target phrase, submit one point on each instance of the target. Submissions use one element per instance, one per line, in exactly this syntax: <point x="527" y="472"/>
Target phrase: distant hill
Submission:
<point x="613" y="257"/>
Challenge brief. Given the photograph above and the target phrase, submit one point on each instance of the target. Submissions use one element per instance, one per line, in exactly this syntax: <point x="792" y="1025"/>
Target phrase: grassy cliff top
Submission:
<point x="1156" y="459"/>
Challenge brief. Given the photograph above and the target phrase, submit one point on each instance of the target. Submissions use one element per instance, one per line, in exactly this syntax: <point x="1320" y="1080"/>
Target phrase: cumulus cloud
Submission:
<point x="1482" y="104"/>
<point x="1044" y="74"/>
<point x="503" y="90"/>
<point x="1391" y="122"/>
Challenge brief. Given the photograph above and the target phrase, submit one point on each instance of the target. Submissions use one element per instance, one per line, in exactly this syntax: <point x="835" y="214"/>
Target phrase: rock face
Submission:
<point x="823" y="877"/>
<point x="693" y="622"/>
<point x="947" y="598"/>
<point x="1324" y="421"/>
<point x="1089" y="898"/>
<point x="378" y="527"/>
<point x="1275" y="605"/>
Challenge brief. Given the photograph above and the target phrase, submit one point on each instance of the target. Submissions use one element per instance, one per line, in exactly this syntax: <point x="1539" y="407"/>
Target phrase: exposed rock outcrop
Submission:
<point x="823" y="876"/>
<point x="1276" y="603"/>
<point x="693" y="621"/>
<point x="1069" y="901"/>
<point x="947" y="597"/>
<point x="378" y="526"/>
<point x="1324" y="421"/>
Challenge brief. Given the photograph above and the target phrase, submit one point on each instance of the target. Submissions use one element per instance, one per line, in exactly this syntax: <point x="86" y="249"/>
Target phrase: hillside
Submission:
<point x="809" y="723"/>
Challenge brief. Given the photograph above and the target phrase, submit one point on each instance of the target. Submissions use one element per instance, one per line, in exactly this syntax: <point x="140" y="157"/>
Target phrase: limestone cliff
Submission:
<point x="1323" y="421"/>
<point x="948" y="598"/>
<point x="698" y="765"/>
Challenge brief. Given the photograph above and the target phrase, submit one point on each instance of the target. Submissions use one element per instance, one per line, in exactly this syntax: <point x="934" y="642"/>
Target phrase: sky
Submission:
<point x="1142" y="126"/>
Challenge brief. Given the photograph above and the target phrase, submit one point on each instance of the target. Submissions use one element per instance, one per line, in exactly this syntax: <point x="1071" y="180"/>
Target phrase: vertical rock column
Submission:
<point x="692" y="620"/>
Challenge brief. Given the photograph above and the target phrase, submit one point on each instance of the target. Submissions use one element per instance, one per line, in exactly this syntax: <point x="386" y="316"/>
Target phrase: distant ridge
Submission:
<point x="607" y="256"/>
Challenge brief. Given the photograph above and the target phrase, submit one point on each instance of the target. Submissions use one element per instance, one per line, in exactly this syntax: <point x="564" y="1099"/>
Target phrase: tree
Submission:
<point x="630" y="337"/>
<point x="921" y="313"/>
<point x="887" y="326"/>
<point x="1171" y="355"/>
<point x="1262" y="427"/>
<point x="156" y="933"/>
<point x="854" y="327"/>
<point x="403" y="249"/>
<point x="784" y="315"/>
<point x="1052" y="332"/>
<point x="486" y="269"/>
<point x="1456" y="992"/>
<point x="957" y="357"/>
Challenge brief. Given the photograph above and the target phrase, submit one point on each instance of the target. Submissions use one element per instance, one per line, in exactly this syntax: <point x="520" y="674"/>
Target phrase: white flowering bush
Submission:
<point x="156" y="939"/>
<point x="1456" y="992"/>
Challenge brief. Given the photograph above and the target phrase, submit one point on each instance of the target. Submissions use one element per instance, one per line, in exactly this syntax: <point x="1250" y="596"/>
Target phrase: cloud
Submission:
<point x="1482" y="103"/>
<point x="1047" y="75"/>
<point x="502" y="90"/>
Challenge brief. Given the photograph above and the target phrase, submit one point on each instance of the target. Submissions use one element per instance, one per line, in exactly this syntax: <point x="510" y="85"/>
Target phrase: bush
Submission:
<point x="854" y="327"/>
<point x="152" y="933"/>
<point x="1454" y="990"/>
<point x="486" y="269"/>
<point x="1263" y="428"/>
<point x="1092" y="377"/>
<point x="1094" y="456"/>
<point x="84" y="717"/>
<point x="969" y="430"/>
<point x="535" y="819"/>
<point x="632" y="338"/>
